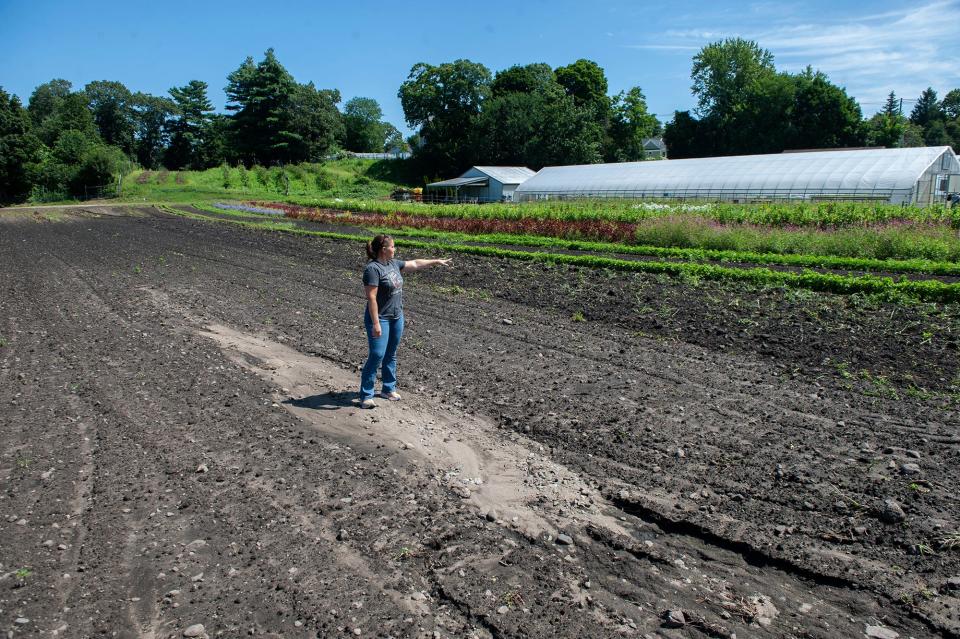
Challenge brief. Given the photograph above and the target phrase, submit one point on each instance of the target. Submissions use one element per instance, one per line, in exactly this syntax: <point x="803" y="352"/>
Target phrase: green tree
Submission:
<point x="312" y="124"/>
<point x="746" y="106"/>
<point x="18" y="149"/>
<point x="393" y="139"/>
<point x="885" y="130"/>
<point x="99" y="167"/>
<point x="364" y="131"/>
<point x="277" y="120"/>
<point x="912" y="135"/>
<point x="586" y="83"/>
<point x="112" y="106"/>
<point x="259" y="95"/>
<point x="190" y="127"/>
<point x="444" y="102"/>
<point x="823" y="115"/>
<point x="151" y="115"/>
<point x="951" y="104"/>
<point x="630" y="124"/>
<point x="537" y="129"/>
<point x="892" y="105"/>
<point x="935" y="134"/>
<point x="71" y="114"/>
<point x="927" y="109"/>
<point x="688" y="137"/>
<point x="47" y="98"/>
<point x="529" y="78"/>
<point x="725" y="72"/>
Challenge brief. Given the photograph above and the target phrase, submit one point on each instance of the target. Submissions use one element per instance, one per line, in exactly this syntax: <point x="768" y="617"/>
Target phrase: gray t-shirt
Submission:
<point x="389" y="283"/>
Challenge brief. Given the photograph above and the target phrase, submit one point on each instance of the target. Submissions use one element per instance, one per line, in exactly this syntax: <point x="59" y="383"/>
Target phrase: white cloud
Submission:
<point x="905" y="50"/>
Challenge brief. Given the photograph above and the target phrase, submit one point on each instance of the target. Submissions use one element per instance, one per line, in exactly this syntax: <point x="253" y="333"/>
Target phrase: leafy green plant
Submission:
<point x="578" y="316"/>
<point x="225" y="175"/>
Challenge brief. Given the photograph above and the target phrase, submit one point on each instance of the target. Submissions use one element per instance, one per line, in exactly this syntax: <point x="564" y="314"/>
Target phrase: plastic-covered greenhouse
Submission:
<point x="900" y="176"/>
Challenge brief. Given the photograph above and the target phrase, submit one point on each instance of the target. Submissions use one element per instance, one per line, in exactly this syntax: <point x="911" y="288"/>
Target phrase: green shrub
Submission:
<point x="263" y="175"/>
<point x="325" y="181"/>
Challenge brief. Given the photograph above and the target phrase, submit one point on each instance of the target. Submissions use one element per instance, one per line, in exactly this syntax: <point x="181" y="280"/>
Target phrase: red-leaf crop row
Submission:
<point x="602" y="230"/>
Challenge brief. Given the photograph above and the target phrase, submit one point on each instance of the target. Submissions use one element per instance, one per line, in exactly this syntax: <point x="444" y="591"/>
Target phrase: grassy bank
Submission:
<point x="352" y="178"/>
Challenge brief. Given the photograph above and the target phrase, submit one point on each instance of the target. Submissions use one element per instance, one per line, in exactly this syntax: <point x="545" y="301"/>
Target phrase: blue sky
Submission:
<point x="366" y="48"/>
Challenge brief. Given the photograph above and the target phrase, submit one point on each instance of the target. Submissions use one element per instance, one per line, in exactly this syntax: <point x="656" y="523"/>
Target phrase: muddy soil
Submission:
<point x="578" y="452"/>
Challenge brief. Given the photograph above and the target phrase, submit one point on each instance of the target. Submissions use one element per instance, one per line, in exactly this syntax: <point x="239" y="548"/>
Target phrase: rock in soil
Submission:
<point x="881" y="632"/>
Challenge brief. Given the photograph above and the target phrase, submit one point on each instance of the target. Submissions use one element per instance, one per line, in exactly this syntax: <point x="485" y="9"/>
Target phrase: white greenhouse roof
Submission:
<point x="861" y="171"/>
<point x="460" y="181"/>
<point x="507" y="174"/>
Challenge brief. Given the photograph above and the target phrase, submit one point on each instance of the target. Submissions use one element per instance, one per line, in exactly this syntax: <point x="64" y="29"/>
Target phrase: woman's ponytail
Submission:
<point x="374" y="246"/>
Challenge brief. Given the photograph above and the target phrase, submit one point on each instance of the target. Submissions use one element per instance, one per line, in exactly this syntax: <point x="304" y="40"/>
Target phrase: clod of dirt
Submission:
<point x="891" y="512"/>
<point x="764" y="611"/>
<point x="564" y="540"/>
<point x="196" y="630"/>
<point x="881" y="632"/>
<point x="910" y="469"/>
<point x="953" y="583"/>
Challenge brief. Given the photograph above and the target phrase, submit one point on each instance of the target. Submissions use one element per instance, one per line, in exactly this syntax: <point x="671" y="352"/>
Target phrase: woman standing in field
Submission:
<point x="383" y="319"/>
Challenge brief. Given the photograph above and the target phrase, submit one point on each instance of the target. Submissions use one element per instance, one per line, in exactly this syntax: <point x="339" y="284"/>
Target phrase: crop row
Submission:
<point x="927" y="290"/>
<point x="805" y="214"/>
<point x="566" y="235"/>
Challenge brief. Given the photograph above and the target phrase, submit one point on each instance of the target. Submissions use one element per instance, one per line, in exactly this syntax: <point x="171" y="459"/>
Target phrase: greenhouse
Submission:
<point x="900" y="176"/>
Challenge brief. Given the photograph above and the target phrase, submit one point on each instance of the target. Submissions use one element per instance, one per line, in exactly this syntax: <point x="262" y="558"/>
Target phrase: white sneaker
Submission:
<point x="368" y="403"/>
<point x="393" y="397"/>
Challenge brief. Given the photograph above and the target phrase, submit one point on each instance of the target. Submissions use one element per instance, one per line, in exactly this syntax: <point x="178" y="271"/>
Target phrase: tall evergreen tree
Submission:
<point x="927" y="109"/>
<point x="259" y="95"/>
<point x="892" y="105"/>
<point x="190" y="127"/>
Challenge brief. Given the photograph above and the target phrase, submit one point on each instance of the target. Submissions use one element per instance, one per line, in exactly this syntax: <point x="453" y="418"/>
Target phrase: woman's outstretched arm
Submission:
<point x="419" y="265"/>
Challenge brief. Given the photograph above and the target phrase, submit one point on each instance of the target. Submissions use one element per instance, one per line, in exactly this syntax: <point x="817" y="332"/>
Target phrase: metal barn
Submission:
<point x="480" y="184"/>
<point x="900" y="176"/>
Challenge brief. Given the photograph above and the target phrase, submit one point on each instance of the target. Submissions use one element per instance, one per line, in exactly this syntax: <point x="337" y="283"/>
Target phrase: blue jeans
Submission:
<point x="383" y="355"/>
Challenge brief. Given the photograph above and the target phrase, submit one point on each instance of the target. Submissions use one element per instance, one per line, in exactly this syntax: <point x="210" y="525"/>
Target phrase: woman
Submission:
<point x="384" y="316"/>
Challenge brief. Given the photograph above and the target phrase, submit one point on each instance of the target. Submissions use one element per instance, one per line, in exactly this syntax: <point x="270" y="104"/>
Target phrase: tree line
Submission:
<point x="64" y="141"/>
<point x="745" y="106"/>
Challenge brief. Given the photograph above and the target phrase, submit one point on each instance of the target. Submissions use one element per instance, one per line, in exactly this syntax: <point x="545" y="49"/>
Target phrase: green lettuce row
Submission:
<point x="926" y="290"/>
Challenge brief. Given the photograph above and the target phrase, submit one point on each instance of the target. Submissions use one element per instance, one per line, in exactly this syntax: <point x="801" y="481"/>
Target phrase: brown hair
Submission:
<point x="377" y="243"/>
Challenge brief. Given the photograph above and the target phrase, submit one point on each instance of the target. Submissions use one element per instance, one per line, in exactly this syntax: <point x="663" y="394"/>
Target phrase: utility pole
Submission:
<point x="900" y="117"/>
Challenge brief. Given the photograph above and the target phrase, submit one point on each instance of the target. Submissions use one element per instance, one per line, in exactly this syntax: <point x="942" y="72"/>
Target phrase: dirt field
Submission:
<point x="579" y="453"/>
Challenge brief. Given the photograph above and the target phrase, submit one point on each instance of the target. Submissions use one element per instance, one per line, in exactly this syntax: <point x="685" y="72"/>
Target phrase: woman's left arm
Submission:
<point x="419" y="265"/>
